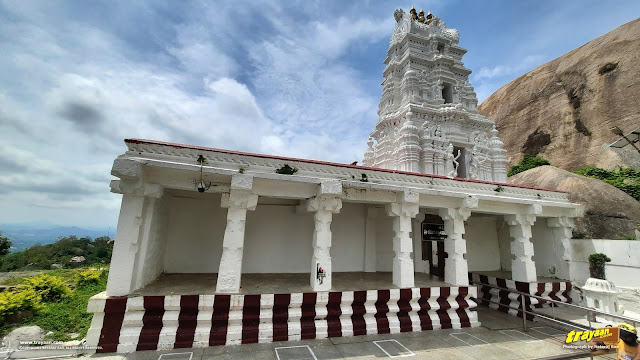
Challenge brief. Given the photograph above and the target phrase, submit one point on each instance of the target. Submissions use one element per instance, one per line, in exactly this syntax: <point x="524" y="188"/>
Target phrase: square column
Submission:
<point x="237" y="201"/>
<point x="562" y="228"/>
<point x="137" y="210"/>
<point x="325" y="204"/>
<point x="402" y="211"/>
<point x="523" y="268"/>
<point x="456" y="269"/>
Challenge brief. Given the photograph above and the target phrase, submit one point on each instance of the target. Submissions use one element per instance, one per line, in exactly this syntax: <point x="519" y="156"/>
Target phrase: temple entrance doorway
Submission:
<point x="433" y="238"/>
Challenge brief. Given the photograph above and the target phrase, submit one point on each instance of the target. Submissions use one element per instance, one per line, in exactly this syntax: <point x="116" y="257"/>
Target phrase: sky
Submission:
<point x="291" y="78"/>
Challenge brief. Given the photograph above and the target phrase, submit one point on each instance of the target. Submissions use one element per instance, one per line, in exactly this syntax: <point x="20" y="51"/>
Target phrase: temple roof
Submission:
<point x="134" y="142"/>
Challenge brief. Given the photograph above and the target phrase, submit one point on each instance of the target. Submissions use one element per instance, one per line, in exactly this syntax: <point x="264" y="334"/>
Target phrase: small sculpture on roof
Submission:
<point x="414" y="14"/>
<point x="421" y="16"/>
<point x="429" y="18"/>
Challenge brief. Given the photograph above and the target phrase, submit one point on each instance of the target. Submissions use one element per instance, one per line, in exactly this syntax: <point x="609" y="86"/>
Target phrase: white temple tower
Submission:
<point x="428" y="118"/>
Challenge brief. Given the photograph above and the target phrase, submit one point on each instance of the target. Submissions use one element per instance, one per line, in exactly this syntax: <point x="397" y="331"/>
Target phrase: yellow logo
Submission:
<point x="608" y="334"/>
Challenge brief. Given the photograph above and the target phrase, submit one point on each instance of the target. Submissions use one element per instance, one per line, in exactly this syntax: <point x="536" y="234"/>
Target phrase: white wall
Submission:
<point x="544" y="252"/>
<point x="195" y="229"/>
<point x="277" y="239"/>
<point x="483" y="250"/>
<point x="384" y="243"/>
<point x="624" y="268"/>
<point x="348" y="238"/>
<point x="504" y="241"/>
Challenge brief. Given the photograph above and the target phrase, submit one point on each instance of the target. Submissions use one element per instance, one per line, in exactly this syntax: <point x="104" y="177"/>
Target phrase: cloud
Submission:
<point x="498" y="71"/>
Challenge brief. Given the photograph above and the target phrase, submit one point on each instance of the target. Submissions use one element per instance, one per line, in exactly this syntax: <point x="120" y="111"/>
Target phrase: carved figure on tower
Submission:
<point x="451" y="162"/>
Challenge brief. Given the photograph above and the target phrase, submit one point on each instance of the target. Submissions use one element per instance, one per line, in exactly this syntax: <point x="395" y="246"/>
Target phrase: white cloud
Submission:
<point x="498" y="71"/>
<point x="277" y="78"/>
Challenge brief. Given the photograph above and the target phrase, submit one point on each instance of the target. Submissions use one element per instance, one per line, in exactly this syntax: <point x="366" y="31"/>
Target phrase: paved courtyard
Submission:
<point x="500" y="337"/>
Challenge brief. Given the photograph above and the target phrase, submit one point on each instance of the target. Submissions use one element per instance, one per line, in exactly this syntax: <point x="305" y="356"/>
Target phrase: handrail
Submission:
<point x="632" y="320"/>
<point x="536" y="314"/>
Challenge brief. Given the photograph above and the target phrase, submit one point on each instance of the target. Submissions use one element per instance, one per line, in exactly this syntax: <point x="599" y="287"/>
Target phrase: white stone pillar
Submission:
<point x="237" y="201"/>
<point x="427" y="157"/>
<point x="370" y="240"/>
<point x="136" y="216"/>
<point x="562" y="228"/>
<point x="416" y="235"/>
<point x="523" y="268"/>
<point x="438" y="160"/>
<point x="325" y="204"/>
<point x="402" y="211"/>
<point x="456" y="270"/>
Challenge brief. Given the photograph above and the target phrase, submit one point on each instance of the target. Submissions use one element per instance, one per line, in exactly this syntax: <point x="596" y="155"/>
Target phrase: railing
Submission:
<point x="589" y="314"/>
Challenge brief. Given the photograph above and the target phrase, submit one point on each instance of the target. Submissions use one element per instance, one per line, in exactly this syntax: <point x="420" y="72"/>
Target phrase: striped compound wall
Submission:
<point x="551" y="290"/>
<point x="127" y="324"/>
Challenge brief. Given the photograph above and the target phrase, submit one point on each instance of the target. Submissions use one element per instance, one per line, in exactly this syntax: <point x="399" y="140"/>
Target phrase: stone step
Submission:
<point x="156" y="322"/>
<point x="508" y="300"/>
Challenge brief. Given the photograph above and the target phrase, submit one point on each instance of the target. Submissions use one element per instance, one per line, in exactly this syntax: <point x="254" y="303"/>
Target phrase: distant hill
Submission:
<point x="562" y="110"/>
<point x="66" y="252"/>
<point x="24" y="236"/>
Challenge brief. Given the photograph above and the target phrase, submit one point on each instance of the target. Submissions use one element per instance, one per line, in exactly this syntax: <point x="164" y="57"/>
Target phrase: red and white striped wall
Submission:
<point x="551" y="290"/>
<point x="127" y="324"/>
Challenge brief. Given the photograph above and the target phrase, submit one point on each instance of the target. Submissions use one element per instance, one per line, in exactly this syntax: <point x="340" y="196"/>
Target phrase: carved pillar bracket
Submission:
<point x="136" y="212"/>
<point x="523" y="268"/>
<point x="402" y="211"/>
<point x="455" y="267"/>
<point x="325" y="204"/>
<point x="238" y="200"/>
<point x="562" y="232"/>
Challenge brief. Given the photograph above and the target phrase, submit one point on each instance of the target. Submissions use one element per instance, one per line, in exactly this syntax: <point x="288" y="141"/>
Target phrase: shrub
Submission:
<point x="527" y="162"/>
<point x="14" y="302"/>
<point x="625" y="179"/>
<point x="88" y="277"/>
<point x="599" y="258"/>
<point x="48" y="287"/>
<point x="286" y="170"/>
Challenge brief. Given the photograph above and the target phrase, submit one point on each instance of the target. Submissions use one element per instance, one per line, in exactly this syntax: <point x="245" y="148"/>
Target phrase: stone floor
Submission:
<point x="184" y="284"/>
<point x="500" y="337"/>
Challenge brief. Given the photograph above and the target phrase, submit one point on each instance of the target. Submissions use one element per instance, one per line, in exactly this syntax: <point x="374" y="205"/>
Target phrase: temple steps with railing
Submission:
<point x="506" y="301"/>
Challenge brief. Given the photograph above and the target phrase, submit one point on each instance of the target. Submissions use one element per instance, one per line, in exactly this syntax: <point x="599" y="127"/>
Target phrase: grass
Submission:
<point x="65" y="316"/>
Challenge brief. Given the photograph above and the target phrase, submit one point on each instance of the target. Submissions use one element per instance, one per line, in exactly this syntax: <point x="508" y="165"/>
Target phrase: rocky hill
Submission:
<point x="609" y="212"/>
<point x="562" y="110"/>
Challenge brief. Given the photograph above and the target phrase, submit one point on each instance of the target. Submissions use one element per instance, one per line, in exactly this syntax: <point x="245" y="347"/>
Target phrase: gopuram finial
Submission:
<point x="421" y="16"/>
<point x="414" y="14"/>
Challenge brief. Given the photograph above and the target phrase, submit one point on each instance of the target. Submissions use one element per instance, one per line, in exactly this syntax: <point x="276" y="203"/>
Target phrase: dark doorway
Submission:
<point x="447" y="93"/>
<point x="433" y="238"/>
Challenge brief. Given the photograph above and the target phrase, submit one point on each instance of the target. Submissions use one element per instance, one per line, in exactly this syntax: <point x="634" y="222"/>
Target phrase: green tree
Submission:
<point x="5" y="245"/>
<point x="527" y="162"/>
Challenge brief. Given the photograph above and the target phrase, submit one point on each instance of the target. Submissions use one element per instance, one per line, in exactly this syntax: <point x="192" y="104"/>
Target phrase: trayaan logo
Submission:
<point x="608" y="334"/>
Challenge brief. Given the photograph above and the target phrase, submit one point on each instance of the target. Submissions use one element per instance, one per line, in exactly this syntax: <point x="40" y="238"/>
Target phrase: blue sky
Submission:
<point x="295" y="78"/>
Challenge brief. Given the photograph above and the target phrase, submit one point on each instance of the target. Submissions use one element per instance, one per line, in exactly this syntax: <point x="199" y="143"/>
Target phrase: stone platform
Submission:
<point x="552" y="289"/>
<point x="171" y="321"/>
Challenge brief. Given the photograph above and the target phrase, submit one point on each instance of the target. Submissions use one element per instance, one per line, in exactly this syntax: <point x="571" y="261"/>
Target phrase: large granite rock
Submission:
<point x="25" y="333"/>
<point x="563" y="109"/>
<point x="609" y="212"/>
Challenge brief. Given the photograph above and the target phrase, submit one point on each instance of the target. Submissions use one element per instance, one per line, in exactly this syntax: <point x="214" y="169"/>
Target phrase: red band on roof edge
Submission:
<point x="319" y="162"/>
